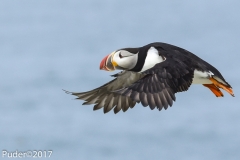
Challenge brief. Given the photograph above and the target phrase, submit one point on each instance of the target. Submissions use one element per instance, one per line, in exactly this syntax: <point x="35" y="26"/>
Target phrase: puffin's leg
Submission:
<point x="223" y="86"/>
<point x="214" y="89"/>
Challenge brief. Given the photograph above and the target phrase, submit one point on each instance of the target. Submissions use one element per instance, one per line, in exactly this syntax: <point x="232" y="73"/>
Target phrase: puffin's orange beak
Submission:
<point x="103" y="63"/>
<point x="107" y="63"/>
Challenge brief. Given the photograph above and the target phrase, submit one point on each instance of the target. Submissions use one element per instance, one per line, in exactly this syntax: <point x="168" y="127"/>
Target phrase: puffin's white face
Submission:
<point x="121" y="59"/>
<point x="125" y="59"/>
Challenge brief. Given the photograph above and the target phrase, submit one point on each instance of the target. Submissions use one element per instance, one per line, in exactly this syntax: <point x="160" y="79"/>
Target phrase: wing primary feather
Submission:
<point x="168" y="97"/>
<point x="172" y="94"/>
<point x="108" y="104"/>
<point x="115" y="96"/>
<point x="111" y="104"/>
<point x="133" y="103"/>
<point x="151" y="101"/>
<point x="118" y="104"/>
<point x="143" y="99"/>
<point x="117" y="109"/>
<point x="135" y="96"/>
<point x="123" y="102"/>
<point x="126" y="105"/>
<point x="97" y="106"/>
<point x="158" y="101"/>
<point x="163" y="99"/>
<point x="100" y="104"/>
<point x="91" y="100"/>
<point x="84" y="95"/>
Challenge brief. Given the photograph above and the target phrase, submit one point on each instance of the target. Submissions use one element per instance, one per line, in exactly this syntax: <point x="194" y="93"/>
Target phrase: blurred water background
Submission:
<point x="50" y="45"/>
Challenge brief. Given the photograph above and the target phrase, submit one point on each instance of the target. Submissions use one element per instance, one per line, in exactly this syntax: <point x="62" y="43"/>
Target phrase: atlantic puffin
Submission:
<point x="151" y="75"/>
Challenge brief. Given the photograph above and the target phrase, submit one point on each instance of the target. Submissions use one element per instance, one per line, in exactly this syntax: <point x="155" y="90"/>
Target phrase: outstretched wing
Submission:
<point x="158" y="87"/>
<point x="155" y="87"/>
<point x="105" y="97"/>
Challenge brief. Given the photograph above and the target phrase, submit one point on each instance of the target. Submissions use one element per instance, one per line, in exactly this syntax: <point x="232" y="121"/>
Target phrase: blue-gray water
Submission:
<point x="50" y="45"/>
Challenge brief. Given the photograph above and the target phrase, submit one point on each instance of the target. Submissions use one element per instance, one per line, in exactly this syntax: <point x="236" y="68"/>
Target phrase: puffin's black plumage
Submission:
<point x="183" y="55"/>
<point x="154" y="87"/>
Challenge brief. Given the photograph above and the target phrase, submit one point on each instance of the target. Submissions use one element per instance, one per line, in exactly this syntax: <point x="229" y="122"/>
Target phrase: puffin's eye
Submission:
<point x="120" y="55"/>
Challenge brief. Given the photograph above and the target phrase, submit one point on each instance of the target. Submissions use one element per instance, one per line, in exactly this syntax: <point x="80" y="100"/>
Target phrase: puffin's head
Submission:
<point x="124" y="59"/>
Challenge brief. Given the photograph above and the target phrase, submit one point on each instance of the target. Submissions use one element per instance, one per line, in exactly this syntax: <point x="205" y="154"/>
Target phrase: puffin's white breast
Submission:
<point x="152" y="59"/>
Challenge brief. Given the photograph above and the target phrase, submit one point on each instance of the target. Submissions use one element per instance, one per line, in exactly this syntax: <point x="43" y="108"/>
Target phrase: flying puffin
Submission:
<point x="151" y="75"/>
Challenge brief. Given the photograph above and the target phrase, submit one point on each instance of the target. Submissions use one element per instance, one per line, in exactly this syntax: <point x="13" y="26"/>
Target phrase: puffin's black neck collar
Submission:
<point x="141" y="59"/>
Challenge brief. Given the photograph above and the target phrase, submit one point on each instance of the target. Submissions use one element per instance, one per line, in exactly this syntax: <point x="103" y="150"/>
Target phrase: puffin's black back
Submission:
<point x="198" y="63"/>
